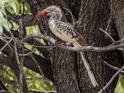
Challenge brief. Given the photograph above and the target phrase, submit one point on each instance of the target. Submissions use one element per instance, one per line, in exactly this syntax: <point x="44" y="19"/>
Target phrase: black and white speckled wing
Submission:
<point x="69" y="30"/>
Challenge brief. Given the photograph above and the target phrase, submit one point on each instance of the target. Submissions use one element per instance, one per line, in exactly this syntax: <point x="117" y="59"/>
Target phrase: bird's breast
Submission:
<point x="52" y="24"/>
<point x="53" y="28"/>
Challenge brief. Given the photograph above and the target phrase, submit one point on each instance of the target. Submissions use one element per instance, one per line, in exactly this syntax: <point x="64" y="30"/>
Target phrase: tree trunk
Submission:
<point x="118" y="16"/>
<point x="63" y="71"/>
<point x="95" y="14"/>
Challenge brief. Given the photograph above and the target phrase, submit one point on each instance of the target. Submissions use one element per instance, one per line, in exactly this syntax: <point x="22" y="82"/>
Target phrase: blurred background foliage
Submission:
<point x="34" y="80"/>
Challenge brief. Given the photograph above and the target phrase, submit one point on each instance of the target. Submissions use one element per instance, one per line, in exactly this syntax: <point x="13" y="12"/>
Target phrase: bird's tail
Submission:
<point x="89" y="71"/>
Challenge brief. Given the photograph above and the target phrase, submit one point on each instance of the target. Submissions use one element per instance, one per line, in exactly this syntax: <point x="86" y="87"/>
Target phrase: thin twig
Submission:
<point x="80" y="14"/>
<point x="73" y="22"/>
<point x="38" y="65"/>
<point x="112" y="39"/>
<point x="112" y="67"/>
<point x="45" y="46"/>
<point x="107" y="34"/>
<point x="111" y="80"/>
<point x="27" y="54"/>
<point x="7" y="43"/>
<point x="20" y="68"/>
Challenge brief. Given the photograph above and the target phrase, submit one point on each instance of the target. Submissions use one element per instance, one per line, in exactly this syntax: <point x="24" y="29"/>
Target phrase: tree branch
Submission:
<point x="113" y="46"/>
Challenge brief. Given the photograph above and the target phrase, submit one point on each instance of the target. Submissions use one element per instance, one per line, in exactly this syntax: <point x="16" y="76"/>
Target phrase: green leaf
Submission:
<point x="3" y="23"/>
<point x="120" y="85"/>
<point x="13" y="4"/>
<point x="27" y="8"/>
<point x="2" y="7"/>
<point x="17" y="6"/>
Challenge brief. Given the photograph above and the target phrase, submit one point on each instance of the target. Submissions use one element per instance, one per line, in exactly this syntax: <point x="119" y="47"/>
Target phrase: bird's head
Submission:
<point x="49" y="11"/>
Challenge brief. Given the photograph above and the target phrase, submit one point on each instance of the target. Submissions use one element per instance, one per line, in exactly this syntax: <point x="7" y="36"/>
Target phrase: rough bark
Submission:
<point x="118" y="16"/>
<point x="63" y="71"/>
